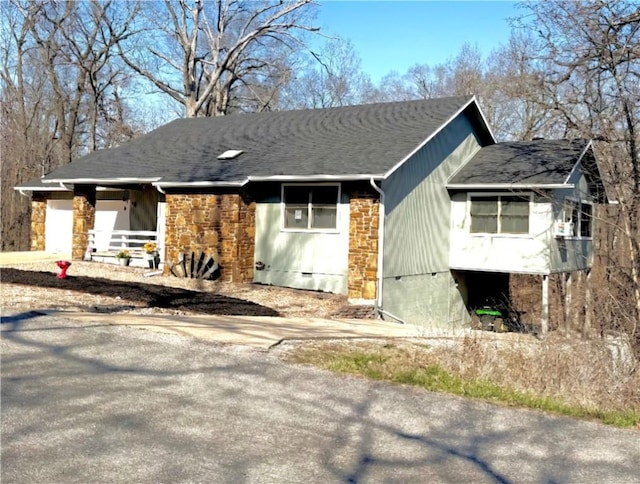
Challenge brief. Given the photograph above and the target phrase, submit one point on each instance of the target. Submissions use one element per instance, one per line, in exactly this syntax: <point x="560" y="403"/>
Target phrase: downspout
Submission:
<point x="378" y="303"/>
<point x="21" y="192"/>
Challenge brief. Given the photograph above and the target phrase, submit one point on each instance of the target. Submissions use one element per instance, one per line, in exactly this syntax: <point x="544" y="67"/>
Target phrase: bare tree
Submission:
<point x="328" y="78"/>
<point x="512" y="93"/>
<point x="60" y="91"/>
<point x="591" y="84"/>
<point x="210" y="55"/>
<point x="459" y="76"/>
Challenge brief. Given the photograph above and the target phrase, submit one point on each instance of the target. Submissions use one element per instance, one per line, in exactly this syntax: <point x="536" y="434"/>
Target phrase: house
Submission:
<point x="401" y="205"/>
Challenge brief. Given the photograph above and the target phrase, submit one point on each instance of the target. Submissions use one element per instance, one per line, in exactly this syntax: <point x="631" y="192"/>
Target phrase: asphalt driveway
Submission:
<point x="88" y="402"/>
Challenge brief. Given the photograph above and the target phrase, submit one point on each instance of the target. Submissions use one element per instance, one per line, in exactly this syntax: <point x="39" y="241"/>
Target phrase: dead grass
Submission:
<point x="576" y="378"/>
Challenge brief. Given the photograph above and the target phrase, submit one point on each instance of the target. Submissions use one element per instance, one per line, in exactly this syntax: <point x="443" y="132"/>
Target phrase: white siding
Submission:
<point x="538" y="252"/>
<point x="58" y="226"/>
<point x="523" y="253"/>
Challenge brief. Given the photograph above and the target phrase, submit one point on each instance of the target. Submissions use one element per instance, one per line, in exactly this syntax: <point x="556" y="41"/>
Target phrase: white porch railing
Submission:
<point x="113" y="241"/>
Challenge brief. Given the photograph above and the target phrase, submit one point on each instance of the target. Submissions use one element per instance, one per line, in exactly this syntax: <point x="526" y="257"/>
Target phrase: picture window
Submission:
<point x="311" y="207"/>
<point x="500" y="214"/>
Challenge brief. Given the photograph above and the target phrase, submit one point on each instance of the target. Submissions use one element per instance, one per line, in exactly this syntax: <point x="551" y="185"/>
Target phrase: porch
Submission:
<point x="132" y="217"/>
<point x="105" y="245"/>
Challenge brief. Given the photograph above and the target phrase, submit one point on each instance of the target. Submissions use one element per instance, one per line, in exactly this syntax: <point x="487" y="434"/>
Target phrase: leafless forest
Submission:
<point x="81" y="76"/>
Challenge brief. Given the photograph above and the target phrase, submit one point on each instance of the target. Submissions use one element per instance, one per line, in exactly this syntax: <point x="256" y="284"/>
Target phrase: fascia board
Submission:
<point x="57" y="188"/>
<point x="508" y="186"/>
<point x="201" y="184"/>
<point x="578" y="162"/>
<point x="275" y="178"/>
<point x="100" y="181"/>
<point x="484" y="120"/>
<point x="314" y="178"/>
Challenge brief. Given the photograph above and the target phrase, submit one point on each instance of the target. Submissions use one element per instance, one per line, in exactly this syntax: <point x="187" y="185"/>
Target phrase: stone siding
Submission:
<point x="364" y="220"/>
<point x="84" y="215"/>
<point x="221" y="225"/>
<point x="38" y="219"/>
<point x="237" y="230"/>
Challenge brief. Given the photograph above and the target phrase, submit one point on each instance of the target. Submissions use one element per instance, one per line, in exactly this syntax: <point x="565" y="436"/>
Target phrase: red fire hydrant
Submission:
<point x="63" y="265"/>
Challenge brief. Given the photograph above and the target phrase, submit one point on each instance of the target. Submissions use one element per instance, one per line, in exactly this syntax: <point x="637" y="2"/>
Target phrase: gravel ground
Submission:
<point x="98" y="287"/>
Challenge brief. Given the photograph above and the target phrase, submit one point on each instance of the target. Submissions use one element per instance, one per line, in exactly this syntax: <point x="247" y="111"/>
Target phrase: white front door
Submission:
<point x="58" y="226"/>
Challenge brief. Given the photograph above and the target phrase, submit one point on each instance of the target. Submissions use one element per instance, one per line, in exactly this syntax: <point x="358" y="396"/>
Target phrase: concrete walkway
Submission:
<point x="257" y="331"/>
<point x="15" y="258"/>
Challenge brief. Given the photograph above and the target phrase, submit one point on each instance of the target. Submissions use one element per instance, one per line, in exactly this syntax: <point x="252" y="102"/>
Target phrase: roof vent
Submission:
<point x="537" y="138"/>
<point x="230" y="154"/>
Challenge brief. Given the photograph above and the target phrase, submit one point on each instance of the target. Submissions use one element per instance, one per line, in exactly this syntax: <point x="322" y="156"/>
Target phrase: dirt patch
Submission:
<point x="107" y="288"/>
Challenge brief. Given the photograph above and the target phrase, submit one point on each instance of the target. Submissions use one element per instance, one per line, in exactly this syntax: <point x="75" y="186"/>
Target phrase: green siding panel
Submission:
<point x="304" y="260"/>
<point x="144" y="208"/>
<point x="418" y="286"/>
<point x="417" y="203"/>
<point x="428" y="300"/>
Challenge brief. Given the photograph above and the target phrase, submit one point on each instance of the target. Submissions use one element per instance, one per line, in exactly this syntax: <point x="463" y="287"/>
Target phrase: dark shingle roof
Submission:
<point x="538" y="162"/>
<point x="367" y="139"/>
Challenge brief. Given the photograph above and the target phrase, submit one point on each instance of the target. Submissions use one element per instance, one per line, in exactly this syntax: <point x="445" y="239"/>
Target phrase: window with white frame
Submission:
<point x="500" y="214"/>
<point x="580" y="214"/>
<point x="311" y="207"/>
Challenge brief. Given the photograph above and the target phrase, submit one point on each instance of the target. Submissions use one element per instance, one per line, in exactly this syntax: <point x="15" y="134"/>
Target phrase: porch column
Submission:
<point x="587" y="301"/>
<point x="567" y="304"/>
<point x="38" y="219"/>
<point x="84" y="213"/>
<point x="544" y="317"/>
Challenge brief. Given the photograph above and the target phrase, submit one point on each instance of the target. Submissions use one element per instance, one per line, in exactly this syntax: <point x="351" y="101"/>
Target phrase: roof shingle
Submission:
<point x="367" y="139"/>
<point x="538" y="162"/>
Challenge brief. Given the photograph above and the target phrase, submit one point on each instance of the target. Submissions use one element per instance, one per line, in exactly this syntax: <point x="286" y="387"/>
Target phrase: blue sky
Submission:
<point x="394" y="35"/>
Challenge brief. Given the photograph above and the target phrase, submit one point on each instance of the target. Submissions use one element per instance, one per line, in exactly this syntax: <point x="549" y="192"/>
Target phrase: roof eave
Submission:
<point x="200" y="184"/>
<point x="101" y="181"/>
<point x="578" y="162"/>
<point x="272" y="178"/>
<point x="484" y="119"/>
<point x="508" y="186"/>
<point x="56" y="188"/>
<point x="316" y="178"/>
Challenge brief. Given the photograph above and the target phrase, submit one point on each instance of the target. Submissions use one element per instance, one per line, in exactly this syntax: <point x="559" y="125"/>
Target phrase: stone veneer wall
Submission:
<point x="221" y="225"/>
<point x="236" y="237"/>
<point x="38" y="218"/>
<point x="84" y="214"/>
<point x="364" y="220"/>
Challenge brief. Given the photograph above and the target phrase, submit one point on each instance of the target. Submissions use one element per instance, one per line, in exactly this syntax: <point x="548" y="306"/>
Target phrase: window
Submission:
<point x="580" y="215"/>
<point x="585" y="219"/>
<point x="311" y="207"/>
<point x="500" y="214"/>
